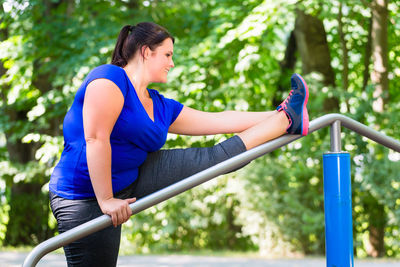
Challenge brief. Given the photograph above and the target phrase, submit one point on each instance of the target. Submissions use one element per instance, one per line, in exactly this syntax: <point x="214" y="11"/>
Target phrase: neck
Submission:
<point x="138" y="78"/>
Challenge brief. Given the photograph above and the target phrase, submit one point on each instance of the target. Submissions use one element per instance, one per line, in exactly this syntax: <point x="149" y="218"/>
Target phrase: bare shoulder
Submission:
<point x="102" y="84"/>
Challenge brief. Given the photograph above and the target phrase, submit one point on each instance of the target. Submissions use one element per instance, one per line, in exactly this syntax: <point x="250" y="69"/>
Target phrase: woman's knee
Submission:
<point x="233" y="146"/>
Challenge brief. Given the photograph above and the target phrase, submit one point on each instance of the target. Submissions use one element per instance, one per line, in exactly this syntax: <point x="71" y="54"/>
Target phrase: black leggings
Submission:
<point x="161" y="169"/>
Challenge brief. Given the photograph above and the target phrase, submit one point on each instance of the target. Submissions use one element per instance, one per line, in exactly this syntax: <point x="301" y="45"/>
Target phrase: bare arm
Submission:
<point x="102" y="105"/>
<point x="195" y="122"/>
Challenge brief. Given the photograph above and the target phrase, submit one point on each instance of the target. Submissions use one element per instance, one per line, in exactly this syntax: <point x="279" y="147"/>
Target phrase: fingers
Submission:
<point x="118" y="215"/>
<point x="121" y="215"/>
<point x="114" y="219"/>
<point x="128" y="209"/>
<point x="128" y="212"/>
<point x="131" y="200"/>
<point x="119" y="210"/>
<point x="124" y="214"/>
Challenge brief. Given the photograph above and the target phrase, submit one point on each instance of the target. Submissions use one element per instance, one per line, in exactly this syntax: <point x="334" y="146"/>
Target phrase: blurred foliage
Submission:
<point x="207" y="222"/>
<point x="227" y="56"/>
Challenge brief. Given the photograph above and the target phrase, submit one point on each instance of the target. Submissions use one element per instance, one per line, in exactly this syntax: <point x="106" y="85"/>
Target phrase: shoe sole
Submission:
<point x="304" y="113"/>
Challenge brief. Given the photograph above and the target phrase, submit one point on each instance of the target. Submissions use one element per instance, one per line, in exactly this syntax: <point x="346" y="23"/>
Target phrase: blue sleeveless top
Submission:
<point x="133" y="136"/>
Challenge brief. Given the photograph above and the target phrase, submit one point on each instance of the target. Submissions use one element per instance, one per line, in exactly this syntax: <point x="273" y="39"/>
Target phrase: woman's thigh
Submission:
<point x="165" y="167"/>
<point x="98" y="249"/>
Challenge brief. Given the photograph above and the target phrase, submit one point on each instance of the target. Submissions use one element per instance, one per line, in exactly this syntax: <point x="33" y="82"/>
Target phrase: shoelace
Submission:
<point x="284" y="104"/>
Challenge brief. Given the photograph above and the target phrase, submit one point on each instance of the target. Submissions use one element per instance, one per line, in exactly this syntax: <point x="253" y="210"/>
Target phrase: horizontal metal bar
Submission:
<point x="357" y="127"/>
<point x="103" y="221"/>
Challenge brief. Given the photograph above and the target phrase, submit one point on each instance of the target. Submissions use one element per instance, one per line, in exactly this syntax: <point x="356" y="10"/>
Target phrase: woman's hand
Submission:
<point x="118" y="209"/>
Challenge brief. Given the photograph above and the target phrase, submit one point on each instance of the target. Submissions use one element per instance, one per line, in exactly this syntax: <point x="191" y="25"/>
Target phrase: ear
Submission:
<point x="145" y="52"/>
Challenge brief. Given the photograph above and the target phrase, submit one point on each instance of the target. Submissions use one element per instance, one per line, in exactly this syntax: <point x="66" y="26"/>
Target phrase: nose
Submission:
<point x="171" y="64"/>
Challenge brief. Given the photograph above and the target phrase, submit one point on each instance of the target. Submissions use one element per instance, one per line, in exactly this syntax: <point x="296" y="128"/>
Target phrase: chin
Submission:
<point x="160" y="81"/>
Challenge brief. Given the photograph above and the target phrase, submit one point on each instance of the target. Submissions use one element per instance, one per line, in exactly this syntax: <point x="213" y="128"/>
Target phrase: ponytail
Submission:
<point x="118" y="57"/>
<point x="132" y="38"/>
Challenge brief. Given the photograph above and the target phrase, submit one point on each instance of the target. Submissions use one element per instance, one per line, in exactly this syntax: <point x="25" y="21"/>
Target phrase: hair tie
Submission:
<point x="132" y="28"/>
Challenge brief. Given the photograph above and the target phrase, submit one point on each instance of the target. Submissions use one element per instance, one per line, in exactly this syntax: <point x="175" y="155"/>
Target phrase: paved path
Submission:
<point x="11" y="259"/>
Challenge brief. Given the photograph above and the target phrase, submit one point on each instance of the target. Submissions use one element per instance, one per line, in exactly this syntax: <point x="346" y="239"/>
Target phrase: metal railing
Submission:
<point x="337" y="254"/>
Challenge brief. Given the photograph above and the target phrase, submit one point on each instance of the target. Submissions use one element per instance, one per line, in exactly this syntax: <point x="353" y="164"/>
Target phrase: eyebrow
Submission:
<point x="171" y="52"/>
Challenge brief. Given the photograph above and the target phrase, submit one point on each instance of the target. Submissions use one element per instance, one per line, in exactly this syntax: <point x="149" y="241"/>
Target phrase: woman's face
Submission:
<point x="160" y="61"/>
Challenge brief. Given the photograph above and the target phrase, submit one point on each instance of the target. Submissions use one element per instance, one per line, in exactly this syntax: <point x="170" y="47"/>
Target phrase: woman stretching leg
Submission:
<point x="116" y="127"/>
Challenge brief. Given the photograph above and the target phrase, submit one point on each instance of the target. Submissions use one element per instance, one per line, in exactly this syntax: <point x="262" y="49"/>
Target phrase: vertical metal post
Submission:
<point x="337" y="204"/>
<point x="336" y="141"/>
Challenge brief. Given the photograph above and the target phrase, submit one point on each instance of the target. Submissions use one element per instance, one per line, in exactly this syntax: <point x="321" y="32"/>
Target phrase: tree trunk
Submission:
<point x="3" y="37"/>
<point x="343" y="45"/>
<point x="314" y="52"/>
<point x="379" y="75"/>
<point x="313" y="46"/>
<point x="28" y="216"/>
<point x="345" y="54"/>
<point x="287" y="66"/>
<point x="379" y="78"/>
<point x="367" y="56"/>
<point x="376" y="226"/>
<point x="27" y="224"/>
<point x="29" y="213"/>
<point x="29" y="206"/>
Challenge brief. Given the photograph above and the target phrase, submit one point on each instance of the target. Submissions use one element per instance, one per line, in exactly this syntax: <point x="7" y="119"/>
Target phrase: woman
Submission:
<point x="115" y="129"/>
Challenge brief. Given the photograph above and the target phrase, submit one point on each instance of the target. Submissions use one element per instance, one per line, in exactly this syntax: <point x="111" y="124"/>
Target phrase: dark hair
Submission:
<point x="133" y="38"/>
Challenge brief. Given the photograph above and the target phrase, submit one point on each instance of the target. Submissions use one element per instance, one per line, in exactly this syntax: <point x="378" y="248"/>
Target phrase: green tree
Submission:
<point x="228" y="55"/>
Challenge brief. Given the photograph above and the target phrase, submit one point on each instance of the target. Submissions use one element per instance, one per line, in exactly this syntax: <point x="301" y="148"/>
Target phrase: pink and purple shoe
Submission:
<point x="295" y="106"/>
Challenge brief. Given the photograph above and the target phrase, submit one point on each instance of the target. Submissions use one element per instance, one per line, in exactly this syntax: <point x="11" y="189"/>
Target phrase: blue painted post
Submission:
<point x="338" y="218"/>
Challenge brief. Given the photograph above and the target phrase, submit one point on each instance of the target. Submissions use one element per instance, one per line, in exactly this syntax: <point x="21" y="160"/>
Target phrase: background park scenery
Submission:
<point x="228" y="55"/>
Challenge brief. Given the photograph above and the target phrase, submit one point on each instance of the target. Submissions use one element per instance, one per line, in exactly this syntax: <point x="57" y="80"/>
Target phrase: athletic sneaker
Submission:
<point x="295" y="106"/>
